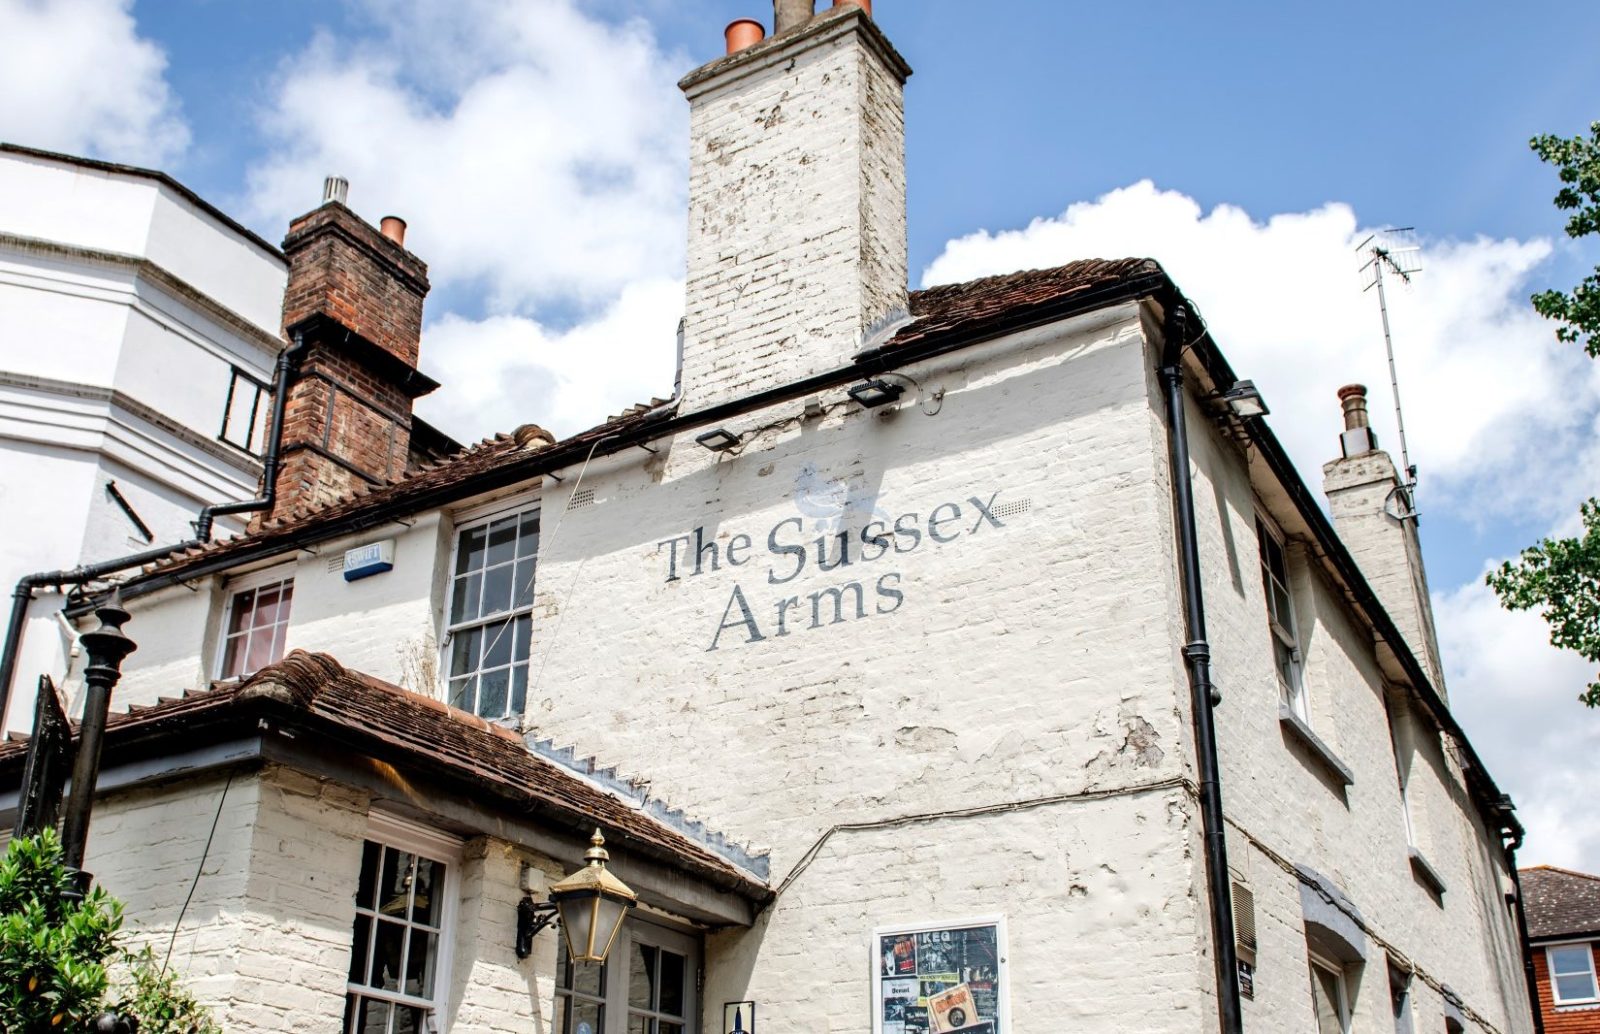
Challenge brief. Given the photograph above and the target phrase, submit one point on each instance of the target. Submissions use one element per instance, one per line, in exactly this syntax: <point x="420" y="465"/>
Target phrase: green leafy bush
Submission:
<point x="53" y="951"/>
<point x="56" y="955"/>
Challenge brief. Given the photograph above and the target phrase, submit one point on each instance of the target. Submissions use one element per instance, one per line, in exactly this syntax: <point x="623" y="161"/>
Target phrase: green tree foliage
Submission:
<point x="1563" y="577"/>
<point x="53" y="952"/>
<point x="1577" y="162"/>
<point x="160" y="1003"/>
<point x="57" y="956"/>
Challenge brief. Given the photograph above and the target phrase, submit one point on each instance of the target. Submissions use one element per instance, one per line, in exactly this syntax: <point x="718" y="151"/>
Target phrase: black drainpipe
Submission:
<point x="1528" y="973"/>
<point x="1203" y="696"/>
<point x="22" y="595"/>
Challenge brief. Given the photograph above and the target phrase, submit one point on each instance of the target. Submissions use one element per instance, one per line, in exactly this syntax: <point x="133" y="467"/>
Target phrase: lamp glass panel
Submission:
<point x="577" y="921"/>
<point x="608" y="921"/>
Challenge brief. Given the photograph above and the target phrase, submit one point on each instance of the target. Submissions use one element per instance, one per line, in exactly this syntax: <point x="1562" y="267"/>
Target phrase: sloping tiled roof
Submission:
<point x="409" y="730"/>
<point x="967" y="308"/>
<point x="1560" y="902"/>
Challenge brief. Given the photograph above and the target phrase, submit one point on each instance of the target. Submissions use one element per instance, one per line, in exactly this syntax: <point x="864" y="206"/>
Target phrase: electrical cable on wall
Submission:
<point x="198" y="871"/>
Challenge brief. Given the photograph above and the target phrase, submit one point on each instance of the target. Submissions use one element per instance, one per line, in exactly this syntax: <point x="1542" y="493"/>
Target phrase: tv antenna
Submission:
<point x="1394" y="252"/>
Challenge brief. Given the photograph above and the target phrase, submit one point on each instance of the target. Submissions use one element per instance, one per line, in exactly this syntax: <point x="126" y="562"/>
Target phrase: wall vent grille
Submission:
<point x="1244" y="916"/>
<point x="1012" y="509"/>
<point x="581" y="498"/>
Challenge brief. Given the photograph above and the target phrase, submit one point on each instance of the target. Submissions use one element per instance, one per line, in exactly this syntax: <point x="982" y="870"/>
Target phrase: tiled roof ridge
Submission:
<point x="1565" y="872"/>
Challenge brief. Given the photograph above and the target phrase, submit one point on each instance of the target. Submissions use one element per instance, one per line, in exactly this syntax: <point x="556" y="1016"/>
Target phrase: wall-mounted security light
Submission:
<point x="591" y="905"/>
<point x="1244" y="400"/>
<point x="876" y="392"/>
<point x="718" y="439"/>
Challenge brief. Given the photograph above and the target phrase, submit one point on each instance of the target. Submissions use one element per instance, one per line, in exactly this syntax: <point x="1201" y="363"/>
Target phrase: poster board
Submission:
<point x="940" y="978"/>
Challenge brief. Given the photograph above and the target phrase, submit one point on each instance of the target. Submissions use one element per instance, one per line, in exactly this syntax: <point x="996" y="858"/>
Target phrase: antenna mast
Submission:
<point x="1396" y="252"/>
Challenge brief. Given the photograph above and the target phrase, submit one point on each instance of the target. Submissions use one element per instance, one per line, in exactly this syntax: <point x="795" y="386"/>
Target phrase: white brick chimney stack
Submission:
<point x="1373" y="515"/>
<point x="797" y="203"/>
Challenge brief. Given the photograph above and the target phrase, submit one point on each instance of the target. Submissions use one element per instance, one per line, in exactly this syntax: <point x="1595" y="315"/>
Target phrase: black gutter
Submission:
<point x="586" y="446"/>
<point x="1203" y="695"/>
<point x="1529" y="976"/>
<point x="22" y="595"/>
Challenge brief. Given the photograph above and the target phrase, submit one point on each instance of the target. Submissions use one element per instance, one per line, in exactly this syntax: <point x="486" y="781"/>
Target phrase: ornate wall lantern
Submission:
<point x="591" y="903"/>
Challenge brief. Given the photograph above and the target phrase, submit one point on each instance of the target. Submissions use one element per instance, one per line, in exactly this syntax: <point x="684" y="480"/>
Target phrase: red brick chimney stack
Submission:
<point x="355" y="296"/>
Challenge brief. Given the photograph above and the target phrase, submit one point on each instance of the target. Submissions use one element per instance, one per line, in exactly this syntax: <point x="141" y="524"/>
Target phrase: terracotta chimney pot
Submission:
<point x="744" y="33"/>
<point x="1353" y="397"/>
<point x="865" y="5"/>
<point x="394" y="228"/>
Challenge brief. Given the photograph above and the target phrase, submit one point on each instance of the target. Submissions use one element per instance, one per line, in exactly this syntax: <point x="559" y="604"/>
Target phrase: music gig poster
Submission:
<point x="940" y="979"/>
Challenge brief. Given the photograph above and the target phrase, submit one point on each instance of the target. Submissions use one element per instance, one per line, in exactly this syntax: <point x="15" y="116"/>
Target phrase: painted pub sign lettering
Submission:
<point x="757" y="611"/>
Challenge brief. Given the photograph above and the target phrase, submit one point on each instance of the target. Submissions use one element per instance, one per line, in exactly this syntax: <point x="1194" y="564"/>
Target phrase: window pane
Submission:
<point x="260" y="650"/>
<point x="639" y="1025"/>
<point x="420" y="962"/>
<point x="470" y="555"/>
<point x="588" y="979"/>
<point x="1570" y="960"/>
<point x="524" y="582"/>
<point x="358" y="948"/>
<point x="1574" y="987"/>
<point x="497" y="590"/>
<point x="430" y="875"/>
<point x="233" y="658"/>
<point x="464" y="598"/>
<point x="243" y="606"/>
<point x="463" y="693"/>
<point x="409" y="1020"/>
<point x="1325" y="1000"/>
<point x="524" y="627"/>
<point x="528" y="537"/>
<point x="493" y="690"/>
<point x="393" y="898"/>
<point x="367" y="886"/>
<point x="642" y="977"/>
<point x="502" y="540"/>
<point x="672" y="981"/>
<point x="519" y="689"/>
<point x="588" y="1018"/>
<point x="497" y="640"/>
<point x="464" y="651"/>
<point x="267" y="600"/>
<point x="663" y="1027"/>
<point x="385" y="969"/>
<point x="371" y="1017"/>
<point x="1281" y="608"/>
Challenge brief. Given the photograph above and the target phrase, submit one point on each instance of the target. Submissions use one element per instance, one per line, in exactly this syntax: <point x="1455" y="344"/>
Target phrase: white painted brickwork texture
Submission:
<point x="797" y="212"/>
<point x="1284" y="795"/>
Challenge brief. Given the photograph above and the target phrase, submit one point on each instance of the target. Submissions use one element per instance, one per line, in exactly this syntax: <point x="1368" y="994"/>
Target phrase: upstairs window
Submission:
<point x="1330" y="1001"/>
<point x="1280" y="619"/>
<point x="489" y="637"/>
<point x="244" y="412"/>
<point x="254" y="627"/>
<point x="1572" y="977"/>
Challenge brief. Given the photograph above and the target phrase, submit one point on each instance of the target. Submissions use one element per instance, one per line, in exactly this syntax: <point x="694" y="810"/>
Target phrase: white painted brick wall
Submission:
<point x="797" y="209"/>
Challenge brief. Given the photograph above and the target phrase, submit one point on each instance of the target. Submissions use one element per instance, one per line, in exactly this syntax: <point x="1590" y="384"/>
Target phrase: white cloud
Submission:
<point x="1503" y="421"/>
<point x="510" y="370"/>
<point x="77" y="77"/>
<point x="537" y="153"/>
<point x="1517" y="697"/>
<point x="1489" y="393"/>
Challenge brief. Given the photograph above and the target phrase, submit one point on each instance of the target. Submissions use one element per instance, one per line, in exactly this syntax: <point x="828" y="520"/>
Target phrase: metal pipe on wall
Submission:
<point x="1202" y="694"/>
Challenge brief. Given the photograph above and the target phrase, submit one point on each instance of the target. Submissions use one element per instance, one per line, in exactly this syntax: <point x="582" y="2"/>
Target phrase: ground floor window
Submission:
<point x="647" y="986"/>
<point x="399" y="947"/>
<point x="1329" y="997"/>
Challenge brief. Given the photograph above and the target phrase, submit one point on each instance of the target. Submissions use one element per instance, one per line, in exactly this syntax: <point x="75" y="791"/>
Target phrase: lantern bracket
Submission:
<point x="532" y="917"/>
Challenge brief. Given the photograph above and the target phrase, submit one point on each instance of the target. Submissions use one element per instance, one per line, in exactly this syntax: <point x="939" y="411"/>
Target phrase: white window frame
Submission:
<point x="1550" y="967"/>
<point x="405" y="835"/>
<point x="1002" y="978"/>
<point x="1290" y="636"/>
<point x="614" y="997"/>
<point x="463" y="522"/>
<point x="231" y="588"/>
<point x="1341" y="984"/>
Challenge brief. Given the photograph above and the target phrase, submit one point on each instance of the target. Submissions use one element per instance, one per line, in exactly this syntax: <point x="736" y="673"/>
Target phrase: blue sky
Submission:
<point x="1273" y="136"/>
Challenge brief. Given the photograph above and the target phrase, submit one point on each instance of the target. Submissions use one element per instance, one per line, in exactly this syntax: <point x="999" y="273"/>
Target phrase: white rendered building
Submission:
<point x="923" y="596"/>
<point x="138" y="331"/>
